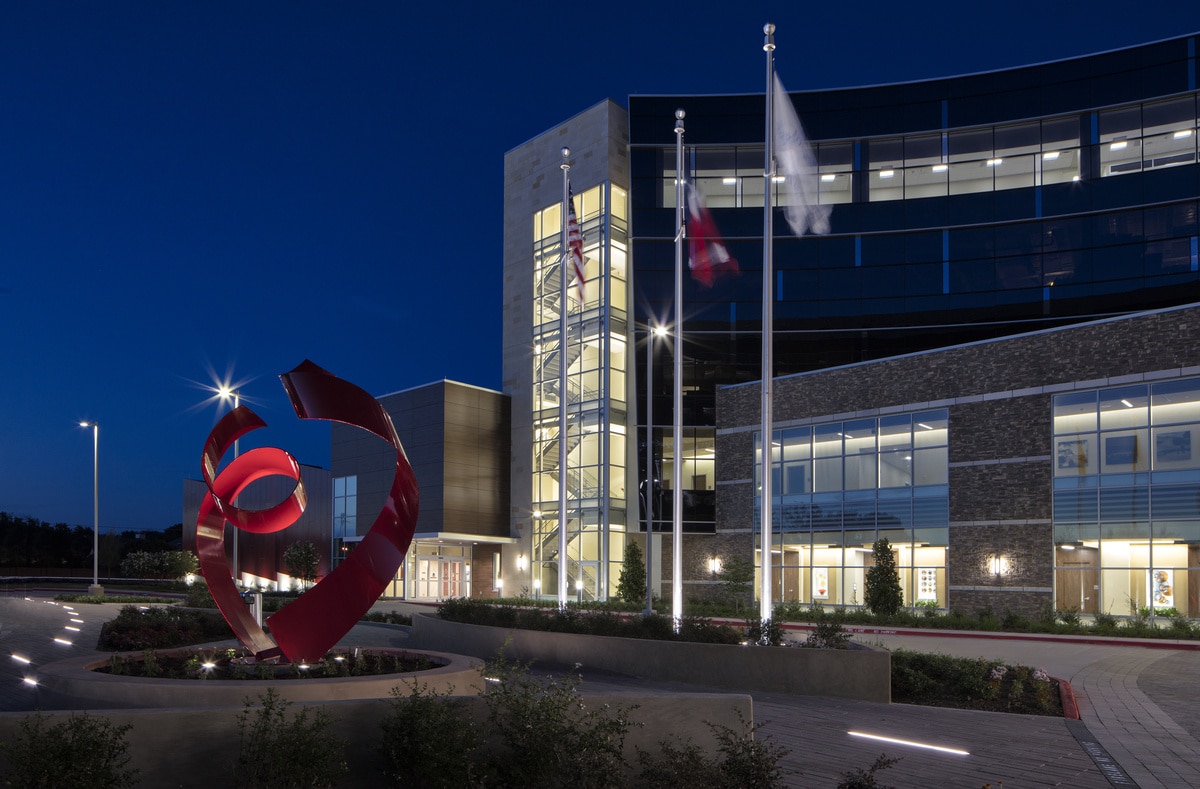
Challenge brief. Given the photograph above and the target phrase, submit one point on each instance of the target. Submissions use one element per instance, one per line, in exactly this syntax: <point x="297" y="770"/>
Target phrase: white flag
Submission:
<point x="798" y="167"/>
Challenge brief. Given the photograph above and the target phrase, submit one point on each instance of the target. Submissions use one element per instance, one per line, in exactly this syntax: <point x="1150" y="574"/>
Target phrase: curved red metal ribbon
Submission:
<point x="313" y="624"/>
<point x="216" y="509"/>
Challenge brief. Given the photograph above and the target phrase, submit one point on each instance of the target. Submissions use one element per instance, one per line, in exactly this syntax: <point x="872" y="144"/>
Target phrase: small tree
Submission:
<point x="883" y="594"/>
<point x="736" y="575"/>
<point x="301" y="560"/>
<point x="631" y="585"/>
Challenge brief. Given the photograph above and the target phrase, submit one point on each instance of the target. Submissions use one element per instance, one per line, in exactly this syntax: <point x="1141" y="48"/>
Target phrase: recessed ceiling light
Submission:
<point x="1050" y="156"/>
<point x="1179" y="135"/>
<point x="941" y="168"/>
<point x="886" y="173"/>
<point x="994" y="162"/>
<point x="729" y="181"/>
<point x="1118" y="146"/>
<point x="827" y="177"/>
<point x="778" y="179"/>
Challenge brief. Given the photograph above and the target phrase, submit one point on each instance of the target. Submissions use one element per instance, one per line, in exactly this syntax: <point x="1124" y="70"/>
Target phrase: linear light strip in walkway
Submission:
<point x="954" y="751"/>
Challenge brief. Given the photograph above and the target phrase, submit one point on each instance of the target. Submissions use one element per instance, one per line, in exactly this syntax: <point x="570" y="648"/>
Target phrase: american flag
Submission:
<point x="575" y="245"/>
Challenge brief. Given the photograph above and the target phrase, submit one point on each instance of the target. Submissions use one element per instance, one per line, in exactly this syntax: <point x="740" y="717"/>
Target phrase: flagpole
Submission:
<point x="649" y="489"/>
<point x="765" y="523"/>
<point x="563" y="566"/>
<point x="677" y="410"/>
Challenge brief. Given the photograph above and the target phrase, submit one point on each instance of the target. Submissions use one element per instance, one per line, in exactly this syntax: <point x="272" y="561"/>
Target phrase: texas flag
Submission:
<point x="707" y="254"/>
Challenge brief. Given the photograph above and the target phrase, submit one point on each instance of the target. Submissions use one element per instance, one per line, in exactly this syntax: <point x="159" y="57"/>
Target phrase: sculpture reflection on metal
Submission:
<point x="309" y="627"/>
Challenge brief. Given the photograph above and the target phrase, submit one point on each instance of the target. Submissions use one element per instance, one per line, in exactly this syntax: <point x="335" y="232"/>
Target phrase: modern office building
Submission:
<point x="456" y="438"/>
<point x="964" y="209"/>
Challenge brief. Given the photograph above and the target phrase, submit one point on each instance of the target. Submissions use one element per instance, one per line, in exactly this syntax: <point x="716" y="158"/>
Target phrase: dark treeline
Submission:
<point x="36" y="545"/>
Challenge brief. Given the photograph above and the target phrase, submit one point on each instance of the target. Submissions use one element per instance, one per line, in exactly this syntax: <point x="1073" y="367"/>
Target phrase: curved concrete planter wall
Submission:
<point x="863" y="674"/>
<point x="74" y="683"/>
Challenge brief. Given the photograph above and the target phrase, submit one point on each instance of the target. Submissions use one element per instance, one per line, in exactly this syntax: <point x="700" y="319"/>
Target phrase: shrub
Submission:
<point x="1013" y="621"/>
<point x="278" y="751"/>
<point x="1105" y="623"/>
<point x="158" y="564"/>
<point x="766" y="633"/>
<point x="198" y="596"/>
<point x="828" y="634"/>
<point x="859" y="778"/>
<point x="742" y="760"/>
<point x="428" y="741"/>
<point x="1070" y="618"/>
<point x="546" y="736"/>
<point x="387" y="617"/>
<point x="160" y="628"/>
<point x="704" y="631"/>
<point x="80" y="752"/>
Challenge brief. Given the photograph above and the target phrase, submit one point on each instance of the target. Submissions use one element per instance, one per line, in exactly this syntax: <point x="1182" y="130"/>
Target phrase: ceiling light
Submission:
<point x="1118" y="146"/>
<point x="827" y="177"/>
<point x="1050" y="156"/>
<point x="994" y="162"/>
<point x="886" y="173"/>
<point x="729" y="181"/>
<point x="778" y="179"/>
<point x="1126" y="403"/>
<point x="1076" y="178"/>
<point x="941" y="168"/>
<point x="924" y="426"/>
<point x="1179" y="135"/>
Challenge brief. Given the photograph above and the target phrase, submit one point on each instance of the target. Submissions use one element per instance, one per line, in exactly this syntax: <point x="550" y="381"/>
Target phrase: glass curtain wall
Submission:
<point x="843" y="485"/>
<point x="595" y="357"/>
<point x="1125" y="139"/>
<point x="1127" y="499"/>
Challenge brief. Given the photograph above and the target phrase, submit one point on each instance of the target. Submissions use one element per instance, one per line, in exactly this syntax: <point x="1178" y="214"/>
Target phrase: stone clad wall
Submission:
<point x="999" y="395"/>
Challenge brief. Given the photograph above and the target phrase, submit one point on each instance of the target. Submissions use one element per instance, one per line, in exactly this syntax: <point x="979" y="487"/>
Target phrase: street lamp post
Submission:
<point x="225" y="393"/>
<point x="95" y="588"/>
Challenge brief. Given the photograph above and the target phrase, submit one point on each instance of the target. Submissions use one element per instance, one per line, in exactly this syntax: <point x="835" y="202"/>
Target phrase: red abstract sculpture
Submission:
<point x="309" y="627"/>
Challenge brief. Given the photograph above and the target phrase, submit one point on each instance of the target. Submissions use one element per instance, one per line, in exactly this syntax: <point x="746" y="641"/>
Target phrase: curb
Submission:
<point x="1067" y="696"/>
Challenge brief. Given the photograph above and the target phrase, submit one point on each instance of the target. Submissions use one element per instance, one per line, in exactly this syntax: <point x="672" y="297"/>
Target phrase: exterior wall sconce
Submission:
<point x="522" y="562"/>
<point x="999" y="565"/>
<point x="714" y="565"/>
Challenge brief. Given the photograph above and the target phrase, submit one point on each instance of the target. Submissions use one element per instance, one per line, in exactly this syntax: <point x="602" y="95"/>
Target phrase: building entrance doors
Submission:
<point x="441" y="577"/>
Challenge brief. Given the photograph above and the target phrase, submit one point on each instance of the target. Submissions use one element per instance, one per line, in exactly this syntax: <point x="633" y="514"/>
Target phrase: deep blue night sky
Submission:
<point x="193" y="192"/>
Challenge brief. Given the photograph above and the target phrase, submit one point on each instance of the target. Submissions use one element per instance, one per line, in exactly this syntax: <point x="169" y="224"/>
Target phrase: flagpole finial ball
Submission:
<point x="679" y="114"/>
<point x="566" y="152"/>
<point x="769" y="29"/>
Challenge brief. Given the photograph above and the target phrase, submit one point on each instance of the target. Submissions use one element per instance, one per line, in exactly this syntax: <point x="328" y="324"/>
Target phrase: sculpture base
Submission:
<point x="96" y="590"/>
